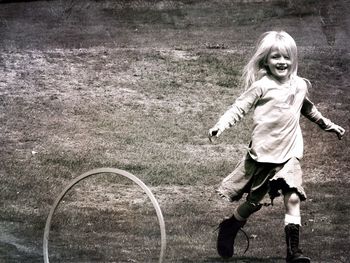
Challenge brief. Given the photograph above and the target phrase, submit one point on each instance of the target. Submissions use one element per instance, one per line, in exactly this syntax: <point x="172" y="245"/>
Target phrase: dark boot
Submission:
<point x="294" y="253"/>
<point x="228" y="230"/>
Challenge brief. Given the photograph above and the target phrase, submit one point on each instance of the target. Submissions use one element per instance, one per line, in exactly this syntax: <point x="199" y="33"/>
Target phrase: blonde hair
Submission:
<point x="256" y="67"/>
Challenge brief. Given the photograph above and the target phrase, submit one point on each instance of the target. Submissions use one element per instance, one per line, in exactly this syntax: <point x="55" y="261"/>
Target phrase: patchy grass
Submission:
<point x="135" y="85"/>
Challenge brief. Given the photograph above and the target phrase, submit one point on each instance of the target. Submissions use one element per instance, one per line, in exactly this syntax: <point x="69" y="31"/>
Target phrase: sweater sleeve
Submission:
<point x="310" y="111"/>
<point x="240" y="108"/>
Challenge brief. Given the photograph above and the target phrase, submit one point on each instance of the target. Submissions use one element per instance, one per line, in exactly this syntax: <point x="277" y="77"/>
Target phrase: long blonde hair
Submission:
<point x="256" y="67"/>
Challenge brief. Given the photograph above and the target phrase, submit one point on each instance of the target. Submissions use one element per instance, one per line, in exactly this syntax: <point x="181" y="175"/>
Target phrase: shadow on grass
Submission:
<point x="244" y="259"/>
<point x="10" y="253"/>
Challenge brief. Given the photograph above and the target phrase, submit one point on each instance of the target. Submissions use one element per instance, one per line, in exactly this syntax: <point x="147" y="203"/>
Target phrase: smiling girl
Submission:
<point x="277" y="96"/>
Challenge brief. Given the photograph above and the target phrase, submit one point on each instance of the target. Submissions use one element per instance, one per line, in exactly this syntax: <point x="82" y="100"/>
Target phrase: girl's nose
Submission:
<point x="282" y="60"/>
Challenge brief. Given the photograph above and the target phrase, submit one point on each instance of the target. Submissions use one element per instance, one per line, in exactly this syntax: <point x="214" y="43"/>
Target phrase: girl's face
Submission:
<point x="279" y="64"/>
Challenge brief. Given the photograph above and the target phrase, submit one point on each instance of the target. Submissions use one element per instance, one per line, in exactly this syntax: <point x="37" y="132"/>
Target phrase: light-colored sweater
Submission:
<point x="276" y="135"/>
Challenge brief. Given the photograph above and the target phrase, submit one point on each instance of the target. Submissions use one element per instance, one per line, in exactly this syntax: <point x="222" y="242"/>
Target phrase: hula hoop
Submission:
<point x="112" y="171"/>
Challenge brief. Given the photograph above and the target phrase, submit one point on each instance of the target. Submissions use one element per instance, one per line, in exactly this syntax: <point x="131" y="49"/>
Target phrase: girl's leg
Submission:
<point x="229" y="228"/>
<point x="292" y="224"/>
<point x="256" y="178"/>
<point x="292" y="205"/>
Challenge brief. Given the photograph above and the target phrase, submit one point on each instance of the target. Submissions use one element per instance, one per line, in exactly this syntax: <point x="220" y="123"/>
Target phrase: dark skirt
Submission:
<point x="253" y="177"/>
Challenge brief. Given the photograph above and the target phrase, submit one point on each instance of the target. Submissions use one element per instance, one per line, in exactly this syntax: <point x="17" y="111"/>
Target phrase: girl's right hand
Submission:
<point x="214" y="132"/>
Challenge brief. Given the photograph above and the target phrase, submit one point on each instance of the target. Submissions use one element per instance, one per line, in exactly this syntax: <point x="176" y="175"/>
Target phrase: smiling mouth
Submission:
<point x="281" y="66"/>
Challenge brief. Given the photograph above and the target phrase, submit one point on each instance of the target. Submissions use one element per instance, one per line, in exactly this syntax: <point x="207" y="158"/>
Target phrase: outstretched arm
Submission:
<point x="236" y="112"/>
<point x="310" y="111"/>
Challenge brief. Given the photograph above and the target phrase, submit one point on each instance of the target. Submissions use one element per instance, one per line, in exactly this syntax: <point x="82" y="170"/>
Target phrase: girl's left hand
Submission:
<point x="338" y="130"/>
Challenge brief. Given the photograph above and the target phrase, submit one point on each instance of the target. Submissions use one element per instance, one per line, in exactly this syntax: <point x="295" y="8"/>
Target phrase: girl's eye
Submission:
<point x="277" y="56"/>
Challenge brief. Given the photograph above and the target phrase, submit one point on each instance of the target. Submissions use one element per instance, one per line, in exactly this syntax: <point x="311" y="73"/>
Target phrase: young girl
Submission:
<point x="277" y="95"/>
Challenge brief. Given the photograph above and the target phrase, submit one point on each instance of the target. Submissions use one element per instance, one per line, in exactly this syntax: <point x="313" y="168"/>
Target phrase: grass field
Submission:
<point x="136" y="85"/>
